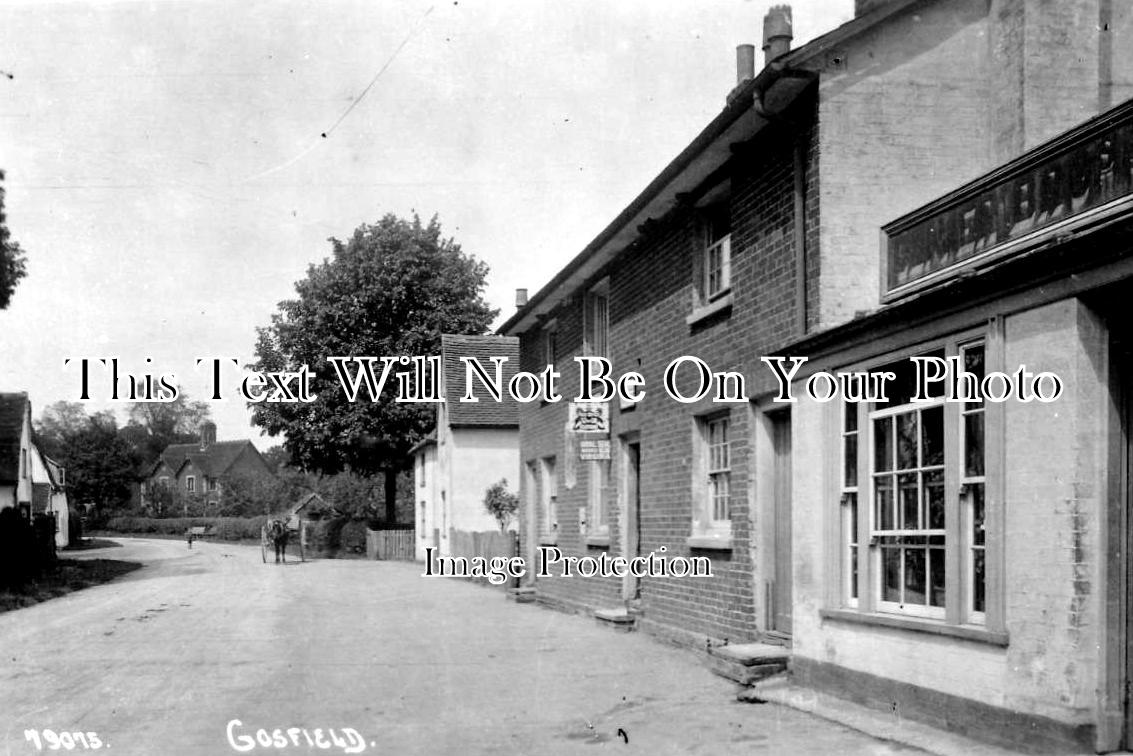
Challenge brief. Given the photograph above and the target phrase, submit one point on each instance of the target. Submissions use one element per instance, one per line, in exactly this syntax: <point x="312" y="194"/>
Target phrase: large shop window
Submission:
<point x="913" y="497"/>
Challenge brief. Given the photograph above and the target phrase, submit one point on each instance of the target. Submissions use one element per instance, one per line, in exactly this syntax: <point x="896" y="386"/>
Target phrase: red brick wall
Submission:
<point x="651" y="294"/>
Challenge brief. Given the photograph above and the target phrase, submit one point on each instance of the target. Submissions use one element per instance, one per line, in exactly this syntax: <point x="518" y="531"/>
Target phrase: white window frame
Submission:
<point x="598" y="525"/>
<point x="850" y="503"/>
<point x="960" y="534"/>
<point x="191" y="483"/>
<point x="717" y="256"/>
<point x="971" y="483"/>
<point x="550" y="342"/>
<point x="597" y="314"/>
<point x="877" y="533"/>
<point x="211" y="484"/>
<point x="713" y="482"/>
<point x="548" y="494"/>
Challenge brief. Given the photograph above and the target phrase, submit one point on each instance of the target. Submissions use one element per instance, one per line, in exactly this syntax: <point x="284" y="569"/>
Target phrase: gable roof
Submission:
<point x="213" y="461"/>
<point x="486" y="413"/>
<point x="14" y="408"/>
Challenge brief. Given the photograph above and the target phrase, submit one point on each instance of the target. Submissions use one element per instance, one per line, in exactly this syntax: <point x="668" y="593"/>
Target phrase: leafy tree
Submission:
<point x="101" y="465"/>
<point x="155" y="425"/>
<point x="12" y="261"/>
<point x="392" y="289"/>
<point x="57" y="423"/>
<point x="501" y="503"/>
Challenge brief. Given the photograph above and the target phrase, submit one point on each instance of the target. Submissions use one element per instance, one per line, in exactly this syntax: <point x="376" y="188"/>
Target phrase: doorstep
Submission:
<point x="747" y="663"/>
<point x="618" y="618"/>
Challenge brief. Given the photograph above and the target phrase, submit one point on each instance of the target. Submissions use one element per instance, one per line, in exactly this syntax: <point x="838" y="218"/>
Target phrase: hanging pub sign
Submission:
<point x="589" y="417"/>
<point x="594" y="450"/>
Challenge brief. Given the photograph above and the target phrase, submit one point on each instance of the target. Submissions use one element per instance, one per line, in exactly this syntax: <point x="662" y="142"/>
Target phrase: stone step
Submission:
<point x="521" y="595"/>
<point x="619" y="618"/>
<point x="747" y="663"/>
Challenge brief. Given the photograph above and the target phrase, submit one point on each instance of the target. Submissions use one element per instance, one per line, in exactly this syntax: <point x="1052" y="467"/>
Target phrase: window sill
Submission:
<point x="967" y="632"/>
<point x="600" y="541"/>
<point x="715" y="543"/>
<point x="708" y="310"/>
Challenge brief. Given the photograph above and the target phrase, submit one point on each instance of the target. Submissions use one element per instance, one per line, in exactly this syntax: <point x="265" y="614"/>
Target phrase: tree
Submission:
<point x="501" y="503"/>
<point x="392" y="289"/>
<point x="12" y="261"/>
<point x="101" y="465"/>
<point x="57" y="424"/>
<point x="155" y="425"/>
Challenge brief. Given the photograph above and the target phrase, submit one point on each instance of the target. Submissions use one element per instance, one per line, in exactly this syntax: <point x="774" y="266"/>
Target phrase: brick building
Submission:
<point x="199" y="471"/>
<point x="761" y="238"/>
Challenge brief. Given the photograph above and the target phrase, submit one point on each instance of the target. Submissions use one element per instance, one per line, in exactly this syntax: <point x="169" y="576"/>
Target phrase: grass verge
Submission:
<point x="63" y="577"/>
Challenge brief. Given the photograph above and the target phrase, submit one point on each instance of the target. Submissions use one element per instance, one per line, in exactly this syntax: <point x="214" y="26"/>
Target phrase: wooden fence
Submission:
<point x="396" y="545"/>
<point x="487" y="544"/>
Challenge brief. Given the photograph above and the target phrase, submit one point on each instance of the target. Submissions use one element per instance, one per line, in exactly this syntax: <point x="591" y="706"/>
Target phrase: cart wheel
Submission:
<point x="264" y="544"/>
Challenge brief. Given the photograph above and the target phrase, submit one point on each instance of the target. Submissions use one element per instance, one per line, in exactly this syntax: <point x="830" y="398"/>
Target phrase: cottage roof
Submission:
<point x="751" y="108"/>
<point x="213" y="461"/>
<point x="14" y="408"/>
<point x="486" y="412"/>
<point x="429" y="440"/>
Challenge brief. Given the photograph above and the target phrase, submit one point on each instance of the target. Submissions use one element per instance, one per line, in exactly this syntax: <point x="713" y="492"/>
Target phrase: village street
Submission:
<point x="162" y="660"/>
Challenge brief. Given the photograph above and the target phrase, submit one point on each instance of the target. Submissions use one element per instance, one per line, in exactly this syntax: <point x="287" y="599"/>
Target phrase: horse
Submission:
<point x="278" y="533"/>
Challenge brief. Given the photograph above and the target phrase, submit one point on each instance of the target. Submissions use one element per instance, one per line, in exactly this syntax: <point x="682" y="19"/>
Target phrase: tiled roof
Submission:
<point x="213" y="461"/>
<point x="13" y="409"/>
<point x="487" y="412"/>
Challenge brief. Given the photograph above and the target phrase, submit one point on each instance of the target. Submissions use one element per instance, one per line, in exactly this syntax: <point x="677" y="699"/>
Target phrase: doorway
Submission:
<point x="780" y="593"/>
<point x="631" y="501"/>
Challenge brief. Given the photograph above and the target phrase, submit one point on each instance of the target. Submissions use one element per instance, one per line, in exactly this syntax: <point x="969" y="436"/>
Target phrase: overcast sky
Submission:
<point x="167" y="177"/>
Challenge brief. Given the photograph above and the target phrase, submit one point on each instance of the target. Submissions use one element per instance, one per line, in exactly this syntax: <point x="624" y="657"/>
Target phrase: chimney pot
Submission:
<point x="777" y="34"/>
<point x="520" y="297"/>
<point x="745" y="63"/>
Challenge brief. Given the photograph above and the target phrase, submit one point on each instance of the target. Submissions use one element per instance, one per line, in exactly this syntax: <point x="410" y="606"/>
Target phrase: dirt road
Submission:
<point x="356" y="656"/>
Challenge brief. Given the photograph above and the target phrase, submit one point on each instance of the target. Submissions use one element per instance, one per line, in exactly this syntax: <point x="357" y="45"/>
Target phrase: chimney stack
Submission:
<point x="208" y="434"/>
<point x="520" y="297"/>
<point x="745" y="63"/>
<point x="777" y="33"/>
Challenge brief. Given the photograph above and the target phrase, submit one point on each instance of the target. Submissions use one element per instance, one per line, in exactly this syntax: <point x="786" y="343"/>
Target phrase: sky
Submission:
<point x="167" y="176"/>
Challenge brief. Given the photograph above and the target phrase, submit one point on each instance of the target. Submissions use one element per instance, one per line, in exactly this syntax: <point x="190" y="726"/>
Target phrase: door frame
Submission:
<point x="762" y="504"/>
<point x="629" y="510"/>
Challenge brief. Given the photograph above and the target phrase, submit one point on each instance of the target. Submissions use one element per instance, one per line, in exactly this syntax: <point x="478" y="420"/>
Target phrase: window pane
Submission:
<point x="850" y="413"/>
<point x="853" y="504"/>
<point x="883" y="444"/>
<point x="914" y="576"/>
<point x="978" y="601"/>
<point x="850" y="461"/>
<point x="974" y="364"/>
<point x="974" y="444"/>
<point x="936" y="576"/>
<point x="934" y="499"/>
<point x="884" y="512"/>
<point x="907" y="491"/>
<point x="978" y="514"/>
<point x="853" y="572"/>
<point x="932" y="437"/>
<point x="891" y="573"/>
<point x="907" y="441"/>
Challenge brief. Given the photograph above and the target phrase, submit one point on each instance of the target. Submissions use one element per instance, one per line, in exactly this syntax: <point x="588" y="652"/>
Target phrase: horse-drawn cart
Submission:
<point x="276" y="534"/>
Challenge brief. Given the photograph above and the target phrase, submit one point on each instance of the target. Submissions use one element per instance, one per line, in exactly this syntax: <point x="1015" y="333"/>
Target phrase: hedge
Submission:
<point x="224" y="528"/>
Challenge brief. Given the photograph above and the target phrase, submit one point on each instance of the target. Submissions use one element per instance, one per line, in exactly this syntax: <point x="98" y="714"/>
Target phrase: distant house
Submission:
<point x="475" y="444"/>
<point x="49" y="495"/>
<point x="15" y="452"/>
<point x="200" y="470"/>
